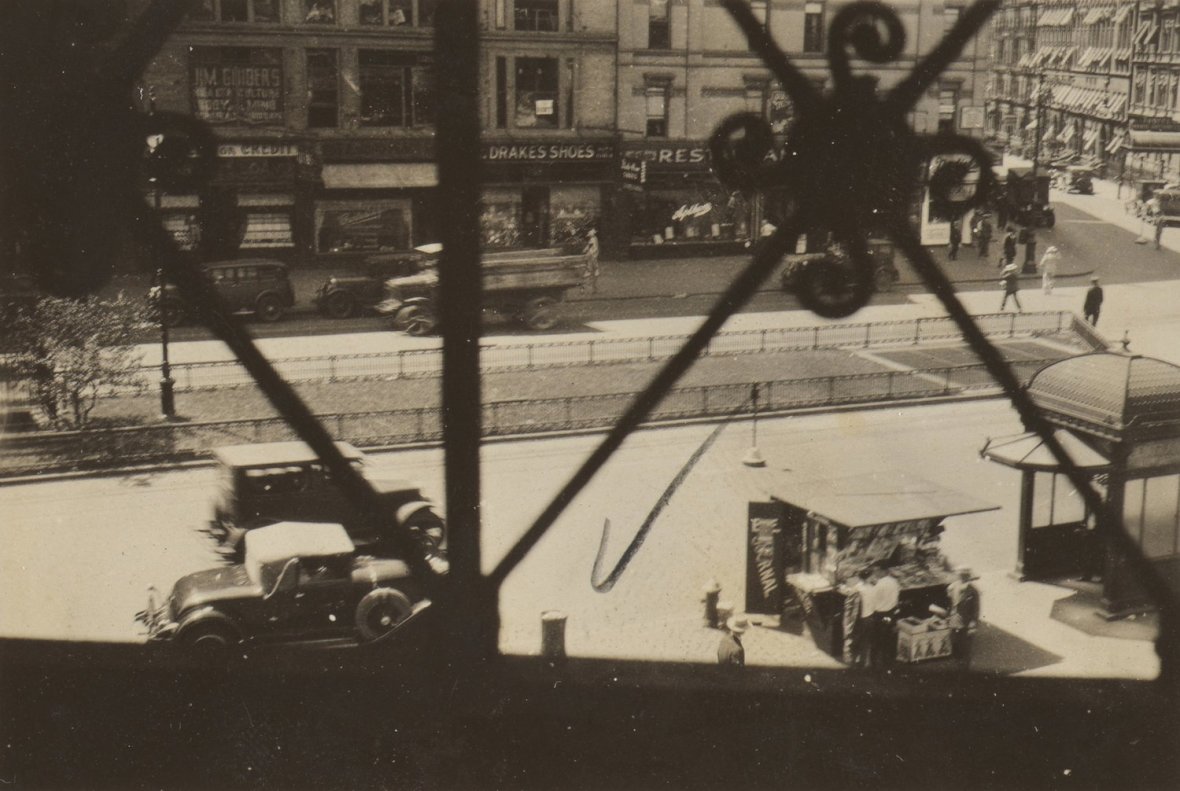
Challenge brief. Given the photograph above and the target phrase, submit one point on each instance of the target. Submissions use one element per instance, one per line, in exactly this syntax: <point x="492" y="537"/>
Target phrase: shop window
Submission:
<point x="659" y="31"/>
<point x="267" y="229"/>
<point x="536" y="93"/>
<point x="573" y="210"/>
<point x="813" y="27"/>
<point x="362" y="226"/>
<point x="500" y="218"/>
<point x="260" y="11"/>
<point x="323" y="89"/>
<point x="398" y="13"/>
<point x="656" y="98"/>
<point x="698" y="210"/>
<point x="396" y="89"/>
<point x="184" y="228"/>
<point x="536" y="15"/>
<point x="319" y="12"/>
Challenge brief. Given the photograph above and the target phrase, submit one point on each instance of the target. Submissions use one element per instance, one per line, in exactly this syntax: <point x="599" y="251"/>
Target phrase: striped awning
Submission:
<point x="1116" y="143"/>
<point x="1089" y="137"/>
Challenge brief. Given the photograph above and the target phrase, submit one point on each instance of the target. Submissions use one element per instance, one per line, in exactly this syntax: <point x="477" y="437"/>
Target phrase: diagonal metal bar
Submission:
<point x="737" y="294"/>
<point x="801" y="90"/>
<point x="1030" y="414"/>
<point x="907" y="93"/>
<point x="149" y="228"/>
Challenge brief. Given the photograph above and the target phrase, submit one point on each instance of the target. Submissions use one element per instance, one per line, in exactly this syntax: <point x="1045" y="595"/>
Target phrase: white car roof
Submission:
<point x="285" y="540"/>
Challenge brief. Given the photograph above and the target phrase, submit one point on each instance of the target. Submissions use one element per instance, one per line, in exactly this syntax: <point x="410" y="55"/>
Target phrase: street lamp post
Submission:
<point x="1039" y="95"/>
<point x="167" y="383"/>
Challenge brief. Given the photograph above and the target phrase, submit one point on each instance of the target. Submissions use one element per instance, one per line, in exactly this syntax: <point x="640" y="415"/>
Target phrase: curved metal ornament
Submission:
<point x="851" y="162"/>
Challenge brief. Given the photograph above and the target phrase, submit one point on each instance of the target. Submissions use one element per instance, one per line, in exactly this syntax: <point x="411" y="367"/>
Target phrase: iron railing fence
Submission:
<point x="38" y="452"/>
<point x="410" y="363"/>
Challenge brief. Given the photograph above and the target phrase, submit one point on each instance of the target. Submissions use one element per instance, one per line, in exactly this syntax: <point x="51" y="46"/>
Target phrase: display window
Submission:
<point x="267" y="221"/>
<point x="364" y="226"/>
<point x="573" y="211"/>
<point x="700" y="211"/>
<point x="500" y="217"/>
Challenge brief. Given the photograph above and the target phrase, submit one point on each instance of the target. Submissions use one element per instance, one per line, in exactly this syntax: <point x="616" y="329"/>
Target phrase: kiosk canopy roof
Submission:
<point x="874" y="499"/>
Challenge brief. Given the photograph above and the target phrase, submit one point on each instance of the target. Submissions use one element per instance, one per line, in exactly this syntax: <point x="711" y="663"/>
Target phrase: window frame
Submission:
<point x="216" y="7"/>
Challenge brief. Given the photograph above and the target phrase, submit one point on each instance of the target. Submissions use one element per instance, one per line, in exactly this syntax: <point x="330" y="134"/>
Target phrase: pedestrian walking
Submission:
<point x="1030" y="248"/>
<point x="1002" y="213"/>
<point x="1093" y="304"/>
<point x="1010" y="282"/>
<point x="1009" y="249"/>
<point x="1159" y="229"/>
<point x="731" y="652"/>
<point x="591" y="253"/>
<point x="983" y="235"/>
<point x="964" y="617"/>
<point x="1048" y="267"/>
<point x="956" y="238"/>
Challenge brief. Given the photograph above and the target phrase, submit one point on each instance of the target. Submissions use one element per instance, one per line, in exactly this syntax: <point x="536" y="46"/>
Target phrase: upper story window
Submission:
<point x="396" y="88"/>
<point x="536" y="15"/>
<point x="323" y="89"/>
<point x="656" y="97"/>
<point x="950" y="15"/>
<point x="813" y="27"/>
<point x="319" y="12"/>
<point x="659" y="32"/>
<point x="396" y="13"/>
<point x="236" y="11"/>
<point x="536" y="93"/>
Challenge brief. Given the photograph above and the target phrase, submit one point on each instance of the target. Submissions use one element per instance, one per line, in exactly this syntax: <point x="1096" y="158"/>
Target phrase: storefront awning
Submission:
<point x="1121" y="13"/>
<point x="1028" y="452"/>
<point x="1067" y="133"/>
<point x="1155" y="141"/>
<point x="1089" y="138"/>
<point x="880" y="498"/>
<point x="381" y="175"/>
<point x="1119" y="140"/>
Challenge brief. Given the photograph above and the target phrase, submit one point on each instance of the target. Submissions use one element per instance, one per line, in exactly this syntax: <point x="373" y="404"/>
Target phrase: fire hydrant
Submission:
<point x="712" y="594"/>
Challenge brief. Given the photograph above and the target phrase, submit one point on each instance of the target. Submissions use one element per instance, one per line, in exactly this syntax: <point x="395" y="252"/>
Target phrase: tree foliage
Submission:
<point x="73" y="351"/>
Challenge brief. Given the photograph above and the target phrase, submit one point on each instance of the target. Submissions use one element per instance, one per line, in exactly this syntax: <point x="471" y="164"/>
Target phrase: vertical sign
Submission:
<point x="765" y="558"/>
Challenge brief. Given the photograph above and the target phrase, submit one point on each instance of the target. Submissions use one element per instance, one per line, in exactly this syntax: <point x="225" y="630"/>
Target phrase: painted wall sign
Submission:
<point x="260" y="149"/>
<point x="669" y="154"/>
<point x="236" y="85"/>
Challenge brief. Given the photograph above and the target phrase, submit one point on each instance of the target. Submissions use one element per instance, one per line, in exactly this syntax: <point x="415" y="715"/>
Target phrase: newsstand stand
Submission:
<point x="816" y="535"/>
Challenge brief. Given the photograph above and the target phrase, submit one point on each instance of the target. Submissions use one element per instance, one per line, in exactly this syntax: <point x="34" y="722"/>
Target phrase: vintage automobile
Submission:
<point x="272" y="482"/>
<point x="1079" y="179"/>
<point x="813" y="268"/>
<point x="259" y="286"/>
<point x="525" y="285"/>
<point x="346" y="295"/>
<point x="299" y="581"/>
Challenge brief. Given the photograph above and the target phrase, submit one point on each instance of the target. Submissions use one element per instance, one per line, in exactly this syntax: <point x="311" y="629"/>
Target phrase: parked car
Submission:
<point x="260" y="286"/>
<point x="272" y="482"/>
<point x="299" y="581"/>
<point x="1079" y="180"/>
<point x="347" y="295"/>
<point x="822" y="276"/>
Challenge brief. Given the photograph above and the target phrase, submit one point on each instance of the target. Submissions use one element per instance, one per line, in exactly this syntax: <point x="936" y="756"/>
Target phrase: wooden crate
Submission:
<point x="922" y="646"/>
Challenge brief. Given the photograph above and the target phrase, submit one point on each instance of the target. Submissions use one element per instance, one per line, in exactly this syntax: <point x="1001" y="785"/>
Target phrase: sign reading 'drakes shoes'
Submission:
<point x="548" y="152"/>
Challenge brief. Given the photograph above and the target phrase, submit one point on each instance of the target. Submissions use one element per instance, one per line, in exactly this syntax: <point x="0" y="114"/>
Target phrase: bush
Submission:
<point x="74" y="350"/>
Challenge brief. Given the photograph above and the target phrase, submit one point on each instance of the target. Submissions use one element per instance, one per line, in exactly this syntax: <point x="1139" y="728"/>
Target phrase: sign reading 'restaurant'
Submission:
<point x="548" y="152"/>
<point x="236" y="85"/>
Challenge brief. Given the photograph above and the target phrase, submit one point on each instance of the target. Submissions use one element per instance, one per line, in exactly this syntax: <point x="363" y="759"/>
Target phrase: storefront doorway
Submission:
<point x="534" y="208"/>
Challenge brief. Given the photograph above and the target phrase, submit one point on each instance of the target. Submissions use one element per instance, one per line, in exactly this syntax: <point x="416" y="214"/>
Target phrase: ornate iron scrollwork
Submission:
<point x="851" y="163"/>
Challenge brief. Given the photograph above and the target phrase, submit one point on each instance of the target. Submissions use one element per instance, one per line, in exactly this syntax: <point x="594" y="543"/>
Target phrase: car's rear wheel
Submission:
<point x="268" y="308"/>
<point x="340" y="305"/>
<point x="380" y="612"/>
<point x="208" y="637"/>
<point x="171" y="313"/>
<point x="540" y="313"/>
<point x="417" y="320"/>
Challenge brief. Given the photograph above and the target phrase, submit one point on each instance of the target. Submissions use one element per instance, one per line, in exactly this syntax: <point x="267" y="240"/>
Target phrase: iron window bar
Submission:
<point x="93" y="88"/>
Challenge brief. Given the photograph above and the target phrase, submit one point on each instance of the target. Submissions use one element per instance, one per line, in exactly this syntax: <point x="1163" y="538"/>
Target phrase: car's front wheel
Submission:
<point x="380" y="612"/>
<point x="269" y="308"/>
<point x="208" y="637"/>
<point x="340" y="305"/>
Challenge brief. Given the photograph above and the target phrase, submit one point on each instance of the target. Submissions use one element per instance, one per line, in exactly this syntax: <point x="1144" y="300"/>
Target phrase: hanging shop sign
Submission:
<point x="237" y="85"/>
<point x="547" y="152"/>
<point x="634" y="173"/>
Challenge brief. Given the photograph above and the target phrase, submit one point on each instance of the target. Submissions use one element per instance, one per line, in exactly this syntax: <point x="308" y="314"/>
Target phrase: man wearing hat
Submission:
<point x="730" y="652"/>
<point x="591" y="253"/>
<point x="964" y="616"/>
<point x="1093" y="303"/>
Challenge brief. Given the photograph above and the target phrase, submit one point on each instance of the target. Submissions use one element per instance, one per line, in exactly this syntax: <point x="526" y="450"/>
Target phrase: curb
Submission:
<point x="113" y="472"/>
